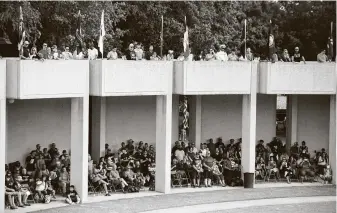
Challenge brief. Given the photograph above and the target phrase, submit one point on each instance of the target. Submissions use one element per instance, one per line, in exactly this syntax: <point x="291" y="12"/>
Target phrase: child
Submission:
<point x="216" y="172"/>
<point x="197" y="170"/>
<point x="72" y="196"/>
<point x="327" y="177"/>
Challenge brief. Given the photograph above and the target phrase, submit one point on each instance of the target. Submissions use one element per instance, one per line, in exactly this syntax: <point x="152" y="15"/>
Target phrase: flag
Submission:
<point x="186" y="42"/>
<point x="102" y="34"/>
<point x="79" y="35"/>
<point x="271" y="42"/>
<point x="22" y="33"/>
<point x="162" y="36"/>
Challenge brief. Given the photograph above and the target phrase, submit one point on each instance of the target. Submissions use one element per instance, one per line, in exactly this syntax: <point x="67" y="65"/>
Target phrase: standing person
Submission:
<point x="297" y="57"/>
<point x="24" y="53"/>
<point x="44" y="51"/>
<point x="130" y="53"/>
<point x="67" y="54"/>
<point x="139" y="52"/>
<point x="56" y="54"/>
<point x="49" y="53"/>
<point x="113" y="55"/>
<point x="149" y="53"/>
<point x="92" y="52"/>
<point x="222" y="55"/>
<point x="249" y="54"/>
<point x="330" y="49"/>
<point x="170" y="56"/>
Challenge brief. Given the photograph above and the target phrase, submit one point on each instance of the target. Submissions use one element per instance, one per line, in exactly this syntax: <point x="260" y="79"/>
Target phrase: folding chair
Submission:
<point x="184" y="179"/>
<point x="94" y="188"/>
<point x="175" y="179"/>
<point x="271" y="174"/>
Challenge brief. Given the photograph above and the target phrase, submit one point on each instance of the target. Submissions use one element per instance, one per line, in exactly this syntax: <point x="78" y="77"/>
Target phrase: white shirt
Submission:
<point x="92" y="54"/>
<point x="221" y="56"/>
<point x="112" y="55"/>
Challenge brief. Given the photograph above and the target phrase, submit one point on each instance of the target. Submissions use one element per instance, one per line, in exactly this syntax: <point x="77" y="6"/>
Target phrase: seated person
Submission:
<point x="216" y="172"/>
<point x="327" y="175"/>
<point x="305" y="169"/>
<point x="150" y="176"/>
<point x="72" y="196"/>
<point x="123" y="147"/>
<point x="113" y="176"/>
<point x="304" y="150"/>
<point x="17" y="168"/>
<point x="130" y="147"/>
<point x="129" y="175"/>
<point x="207" y="164"/>
<point x="64" y="180"/>
<point x="260" y="167"/>
<point x="124" y="159"/>
<point x="285" y="169"/>
<point x="295" y="150"/>
<point x="25" y="177"/>
<point x="140" y="178"/>
<point x="12" y="190"/>
<point x="197" y="170"/>
<point x="272" y="168"/>
<point x="109" y="162"/>
<point x="179" y="154"/>
<point x="98" y="179"/>
<point x="44" y="190"/>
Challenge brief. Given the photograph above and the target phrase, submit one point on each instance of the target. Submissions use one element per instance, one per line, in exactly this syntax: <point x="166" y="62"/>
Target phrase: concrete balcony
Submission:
<point x="290" y="78"/>
<point x="130" y="78"/>
<point x="212" y="77"/>
<point x="29" y="79"/>
<point x="2" y="79"/>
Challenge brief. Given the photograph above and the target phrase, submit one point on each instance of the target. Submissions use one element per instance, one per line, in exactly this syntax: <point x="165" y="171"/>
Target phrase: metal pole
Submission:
<point x="162" y="36"/>
<point x="245" y="37"/>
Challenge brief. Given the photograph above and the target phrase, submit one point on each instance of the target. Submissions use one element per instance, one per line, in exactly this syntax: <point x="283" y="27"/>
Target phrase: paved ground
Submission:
<point x="325" y="207"/>
<point x="137" y="205"/>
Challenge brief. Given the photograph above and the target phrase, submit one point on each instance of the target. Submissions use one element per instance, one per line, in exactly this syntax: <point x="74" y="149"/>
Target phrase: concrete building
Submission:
<point x="49" y="102"/>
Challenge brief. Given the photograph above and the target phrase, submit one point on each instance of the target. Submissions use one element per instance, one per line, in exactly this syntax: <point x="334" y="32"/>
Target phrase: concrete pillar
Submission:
<point x="195" y="120"/>
<point x="249" y="131"/>
<point x="292" y="113"/>
<point x="332" y="137"/>
<point x="2" y="151"/>
<point x="175" y="119"/>
<point x="98" y="127"/>
<point x="163" y="143"/>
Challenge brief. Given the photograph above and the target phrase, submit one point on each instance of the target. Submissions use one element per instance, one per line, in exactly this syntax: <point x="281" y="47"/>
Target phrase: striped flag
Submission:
<point x="79" y="35"/>
<point x="22" y="33"/>
<point x="186" y="42"/>
<point x="102" y="34"/>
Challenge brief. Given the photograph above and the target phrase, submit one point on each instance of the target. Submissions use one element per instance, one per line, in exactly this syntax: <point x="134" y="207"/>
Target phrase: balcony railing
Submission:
<point x="130" y="78"/>
<point x="2" y="79"/>
<point x="290" y="78"/>
<point x="29" y="79"/>
<point x="212" y="77"/>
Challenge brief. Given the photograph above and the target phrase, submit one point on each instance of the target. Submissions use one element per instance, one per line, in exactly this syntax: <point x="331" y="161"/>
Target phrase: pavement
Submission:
<point x="279" y="199"/>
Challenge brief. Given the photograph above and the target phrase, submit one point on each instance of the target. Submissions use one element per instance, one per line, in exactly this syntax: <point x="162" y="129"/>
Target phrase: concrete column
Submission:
<point x="332" y="136"/>
<point x="292" y="113"/>
<point x="175" y="119"/>
<point x="195" y="120"/>
<point x="2" y="151"/>
<point x="249" y="131"/>
<point x="163" y="143"/>
<point x="98" y="127"/>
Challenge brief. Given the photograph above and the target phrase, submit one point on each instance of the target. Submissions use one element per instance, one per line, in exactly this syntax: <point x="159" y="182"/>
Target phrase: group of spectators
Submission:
<point x="273" y="159"/>
<point x="136" y="51"/>
<point x="45" y="172"/>
<point x="129" y="169"/>
<point x="214" y="163"/>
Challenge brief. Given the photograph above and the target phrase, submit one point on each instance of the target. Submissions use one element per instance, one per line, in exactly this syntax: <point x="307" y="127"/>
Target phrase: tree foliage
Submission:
<point x="303" y="24"/>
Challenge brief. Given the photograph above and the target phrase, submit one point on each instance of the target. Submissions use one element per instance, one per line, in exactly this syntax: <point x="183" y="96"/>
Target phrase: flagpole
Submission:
<point x="245" y="37"/>
<point x="161" y="36"/>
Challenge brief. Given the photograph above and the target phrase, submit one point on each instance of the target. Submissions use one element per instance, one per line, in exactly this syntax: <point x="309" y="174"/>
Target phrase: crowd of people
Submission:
<point x="129" y="169"/>
<point x="132" y="167"/>
<point x="45" y="173"/>
<point x="136" y="51"/>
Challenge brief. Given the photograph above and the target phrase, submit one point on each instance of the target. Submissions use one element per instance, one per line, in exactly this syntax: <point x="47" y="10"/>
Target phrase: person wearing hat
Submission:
<point x="130" y="52"/>
<point x="170" y="56"/>
<point x="222" y="55"/>
<point x="24" y="52"/>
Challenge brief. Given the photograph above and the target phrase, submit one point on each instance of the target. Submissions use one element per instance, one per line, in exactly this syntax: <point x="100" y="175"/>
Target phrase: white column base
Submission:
<point x="163" y="143"/>
<point x="79" y="145"/>
<point x="98" y="127"/>
<point x="332" y="137"/>
<point x="175" y="119"/>
<point x="2" y="152"/>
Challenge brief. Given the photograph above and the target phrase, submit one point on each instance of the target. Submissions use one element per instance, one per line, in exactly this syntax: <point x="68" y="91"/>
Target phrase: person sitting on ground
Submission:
<point x="216" y="172"/>
<point x="327" y="175"/>
<point x="285" y="169"/>
<point x="72" y="196"/>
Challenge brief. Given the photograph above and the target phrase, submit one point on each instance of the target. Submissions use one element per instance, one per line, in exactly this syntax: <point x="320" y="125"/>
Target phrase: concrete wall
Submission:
<point x="313" y="121"/>
<point x="130" y="117"/>
<point x="32" y="122"/>
<point x="222" y="116"/>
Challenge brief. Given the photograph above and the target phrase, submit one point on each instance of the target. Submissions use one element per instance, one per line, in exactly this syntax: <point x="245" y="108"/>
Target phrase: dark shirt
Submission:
<point x="130" y="55"/>
<point x="217" y="157"/>
<point x="25" y="52"/>
<point x="218" y="144"/>
<point x="148" y="55"/>
<point x="211" y="147"/>
<point x="44" y="53"/>
<point x="30" y="164"/>
<point x="297" y="57"/>
<point x="72" y="194"/>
